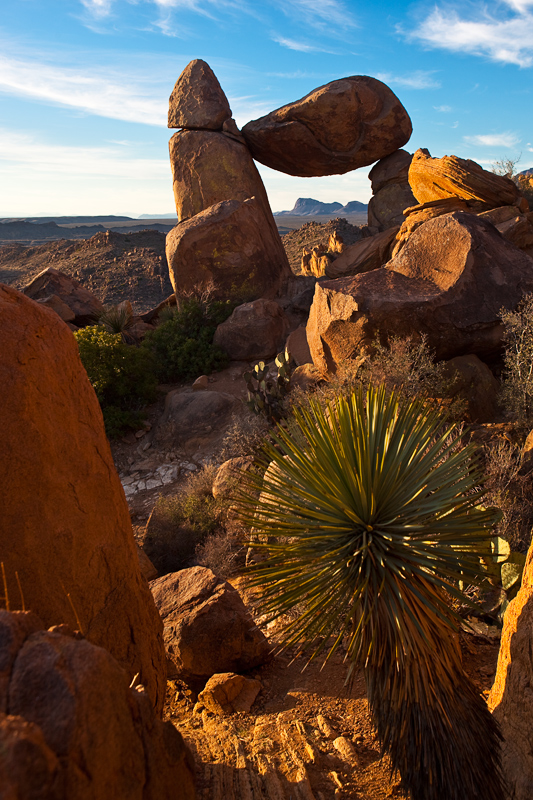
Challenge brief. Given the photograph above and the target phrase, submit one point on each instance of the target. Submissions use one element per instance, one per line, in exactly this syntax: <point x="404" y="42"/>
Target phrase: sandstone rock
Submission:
<point x="298" y="348"/>
<point x="306" y="377"/>
<point x="415" y="216"/>
<point x="518" y="230"/>
<point x="315" y="261"/>
<point x="229" y="247"/>
<point x="152" y="315"/>
<point x="511" y="696"/>
<point x="66" y="527"/>
<point x="338" y="127"/>
<point x="255" y="330"/>
<point x="472" y="380"/>
<point x="84" y="305"/>
<point x="228" y="475"/>
<point x="453" y="294"/>
<point x="147" y="568"/>
<point x="450" y="176"/>
<point x="207" y="628"/>
<point x="391" y="169"/>
<point x="365" y="255"/>
<point x="75" y="728"/>
<point x="386" y="208"/>
<point x="201" y="384"/>
<point x="197" y="100"/>
<point x="56" y="304"/>
<point x="191" y="418"/>
<point x="228" y="693"/>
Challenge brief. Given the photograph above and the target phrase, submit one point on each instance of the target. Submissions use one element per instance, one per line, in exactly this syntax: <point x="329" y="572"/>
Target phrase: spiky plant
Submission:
<point x="117" y="319"/>
<point x="370" y="518"/>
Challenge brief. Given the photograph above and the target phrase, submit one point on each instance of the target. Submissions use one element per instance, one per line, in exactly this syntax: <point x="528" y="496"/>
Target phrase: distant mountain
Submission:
<point x="24" y="231"/>
<point x="172" y="215"/>
<point x="307" y="207"/>
<point x="528" y="173"/>
<point x="67" y="220"/>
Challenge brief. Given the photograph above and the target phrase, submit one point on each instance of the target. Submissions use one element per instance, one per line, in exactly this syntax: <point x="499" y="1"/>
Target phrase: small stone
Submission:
<point x="140" y="434"/>
<point x="200" y="384"/>
<point x="326" y="727"/>
<point x="346" y="749"/>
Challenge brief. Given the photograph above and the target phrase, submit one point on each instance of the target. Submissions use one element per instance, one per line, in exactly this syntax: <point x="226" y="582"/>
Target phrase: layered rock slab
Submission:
<point x="346" y="124"/>
<point x="66" y="527"/>
<point x="197" y="100"/>
<point x="208" y="629"/>
<point x="71" y="726"/>
<point x="451" y="176"/>
<point x="452" y="293"/>
<point x="230" y="248"/>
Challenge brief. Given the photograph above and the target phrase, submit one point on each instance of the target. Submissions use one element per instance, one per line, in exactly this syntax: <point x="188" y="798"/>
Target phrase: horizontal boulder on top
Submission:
<point x="453" y="294"/>
<point x="345" y="124"/>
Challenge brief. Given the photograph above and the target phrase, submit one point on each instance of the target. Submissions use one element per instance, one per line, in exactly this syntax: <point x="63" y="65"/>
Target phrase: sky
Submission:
<point x="84" y="87"/>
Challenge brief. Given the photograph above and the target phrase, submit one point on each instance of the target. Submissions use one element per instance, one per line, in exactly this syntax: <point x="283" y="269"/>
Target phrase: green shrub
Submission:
<point x="183" y="345"/>
<point x="122" y="376"/>
<point x="369" y="521"/>
<point x="516" y="395"/>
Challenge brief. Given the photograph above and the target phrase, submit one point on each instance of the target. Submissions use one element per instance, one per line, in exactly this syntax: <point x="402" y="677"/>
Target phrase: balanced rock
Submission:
<point x="511" y="697"/>
<point x="254" y="330"/>
<point x="71" y="726"/>
<point x="84" y="305"/>
<point x="450" y="176"/>
<point x="453" y="294"/>
<point x="207" y="628"/>
<point x="66" y="535"/>
<point x="346" y="124"/>
<point x="391" y="193"/>
<point x="197" y="100"/>
<point x="230" y="248"/>
<point x="367" y="254"/>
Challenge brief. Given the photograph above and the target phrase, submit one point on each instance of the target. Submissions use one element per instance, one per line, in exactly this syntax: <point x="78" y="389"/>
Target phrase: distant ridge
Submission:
<point x="66" y="220"/>
<point x="307" y="207"/>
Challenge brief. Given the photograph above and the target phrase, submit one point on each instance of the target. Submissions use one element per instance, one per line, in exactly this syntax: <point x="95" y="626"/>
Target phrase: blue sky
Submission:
<point x="84" y="87"/>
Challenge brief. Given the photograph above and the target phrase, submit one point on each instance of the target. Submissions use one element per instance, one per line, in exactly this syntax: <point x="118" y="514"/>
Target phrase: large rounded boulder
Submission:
<point x="346" y="124"/>
<point x="66" y="539"/>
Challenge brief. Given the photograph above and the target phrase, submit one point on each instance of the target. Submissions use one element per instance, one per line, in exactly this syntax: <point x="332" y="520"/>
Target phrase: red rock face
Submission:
<point x="51" y="283"/>
<point x="71" y="726"/>
<point x="197" y="100"/>
<point x="338" y="127"/>
<point x="65" y="527"/>
<point x="453" y="293"/>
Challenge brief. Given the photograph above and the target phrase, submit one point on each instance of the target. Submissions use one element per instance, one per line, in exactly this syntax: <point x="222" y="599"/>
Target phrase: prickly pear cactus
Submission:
<point x="266" y="393"/>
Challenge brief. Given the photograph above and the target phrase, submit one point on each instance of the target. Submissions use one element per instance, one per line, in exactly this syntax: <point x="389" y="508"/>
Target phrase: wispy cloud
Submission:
<point x="507" y="139"/>
<point x="301" y="47"/>
<point x="91" y="91"/>
<point x="97" y="8"/>
<point x="331" y="15"/>
<point x="415" y="80"/>
<point x="501" y="31"/>
<point x="443" y="109"/>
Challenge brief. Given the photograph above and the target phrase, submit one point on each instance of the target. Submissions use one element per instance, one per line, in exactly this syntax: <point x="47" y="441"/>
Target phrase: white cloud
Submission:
<point x="502" y="32"/>
<point x="416" y="80"/>
<point x="301" y="47"/>
<point x="443" y="109"/>
<point x="507" y="139"/>
<point x="98" y="8"/>
<point x="324" y="14"/>
<point x="91" y="91"/>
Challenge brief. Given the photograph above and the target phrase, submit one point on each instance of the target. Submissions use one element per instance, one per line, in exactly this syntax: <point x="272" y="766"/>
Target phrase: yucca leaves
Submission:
<point x="370" y="518"/>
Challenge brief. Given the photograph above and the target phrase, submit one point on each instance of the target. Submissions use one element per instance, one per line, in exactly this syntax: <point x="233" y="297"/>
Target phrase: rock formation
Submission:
<point x="511" y="698"/>
<point x="207" y="628"/>
<point x="71" y="726"/>
<point x="437" y="178"/>
<point x="61" y="292"/>
<point x="254" y="331"/>
<point x="453" y="294"/>
<point x="211" y="166"/>
<point x="341" y="126"/>
<point x="66" y="531"/>
<point x="363" y="256"/>
<point x="391" y="193"/>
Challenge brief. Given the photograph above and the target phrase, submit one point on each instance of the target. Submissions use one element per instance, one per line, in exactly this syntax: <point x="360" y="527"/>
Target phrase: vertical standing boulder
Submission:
<point x="511" y="697"/>
<point x="391" y="193"/>
<point x="66" y="536"/>
<point x="211" y="164"/>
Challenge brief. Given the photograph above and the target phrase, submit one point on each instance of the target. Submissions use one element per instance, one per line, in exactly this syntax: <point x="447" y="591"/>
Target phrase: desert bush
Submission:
<point x="183" y="344"/>
<point x="516" y="396"/>
<point x="244" y="436"/>
<point x="371" y="520"/>
<point x="222" y="552"/>
<point x="180" y="523"/>
<point x="122" y="376"/>
<point x="404" y="364"/>
<point x="117" y="318"/>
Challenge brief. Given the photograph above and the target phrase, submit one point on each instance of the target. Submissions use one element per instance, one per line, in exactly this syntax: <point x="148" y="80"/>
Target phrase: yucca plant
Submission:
<point x="117" y="319"/>
<point x="369" y="520"/>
